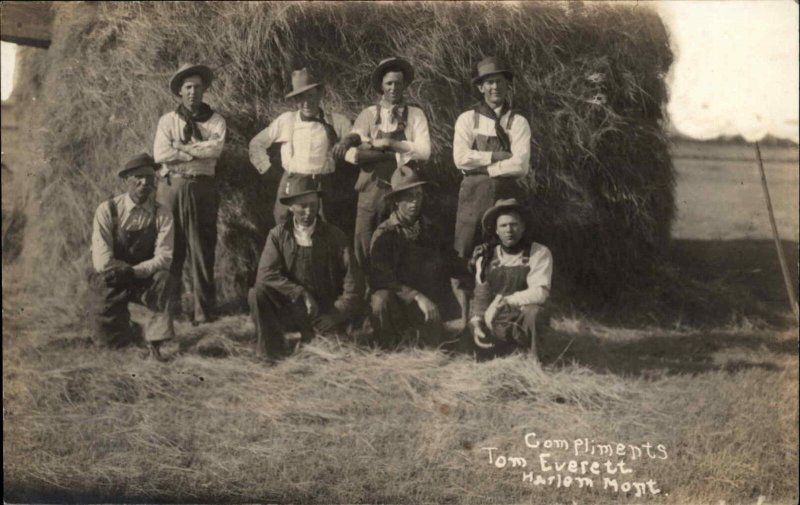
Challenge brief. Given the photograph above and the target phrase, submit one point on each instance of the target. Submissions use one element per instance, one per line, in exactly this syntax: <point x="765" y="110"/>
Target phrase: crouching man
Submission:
<point x="411" y="268"/>
<point x="512" y="282"/>
<point x="308" y="280"/>
<point x="132" y="241"/>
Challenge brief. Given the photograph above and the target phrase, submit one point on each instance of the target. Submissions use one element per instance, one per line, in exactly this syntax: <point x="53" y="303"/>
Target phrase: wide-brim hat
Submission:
<point x="404" y="178"/>
<point x="302" y="81"/>
<point x="380" y="70"/>
<point x="299" y="185"/>
<point x="186" y="70"/>
<point x="500" y="206"/>
<point x="142" y="163"/>
<point x="492" y="65"/>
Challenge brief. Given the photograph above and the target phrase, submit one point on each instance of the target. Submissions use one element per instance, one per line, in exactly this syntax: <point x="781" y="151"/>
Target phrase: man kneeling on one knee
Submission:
<point x="513" y="276"/>
<point x="308" y="281"/>
<point x="132" y="240"/>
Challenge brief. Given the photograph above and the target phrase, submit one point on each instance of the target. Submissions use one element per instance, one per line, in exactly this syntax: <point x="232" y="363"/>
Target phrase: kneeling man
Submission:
<point x="308" y="280"/>
<point x="411" y="268"/>
<point x="132" y="240"/>
<point x="513" y="276"/>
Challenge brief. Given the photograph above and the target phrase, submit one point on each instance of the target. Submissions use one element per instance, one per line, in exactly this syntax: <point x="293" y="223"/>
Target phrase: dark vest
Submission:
<point x="132" y="247"/>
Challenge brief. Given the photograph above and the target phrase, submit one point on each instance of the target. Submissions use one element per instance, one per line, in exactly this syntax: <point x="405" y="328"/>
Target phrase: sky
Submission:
<point x="736" y="67"/>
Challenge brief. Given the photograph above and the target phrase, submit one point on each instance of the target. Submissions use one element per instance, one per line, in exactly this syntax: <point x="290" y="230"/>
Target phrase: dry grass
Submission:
<point x="343" y="424"/>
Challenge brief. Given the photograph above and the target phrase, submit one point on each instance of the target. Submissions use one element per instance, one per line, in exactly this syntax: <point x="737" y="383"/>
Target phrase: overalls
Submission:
<point x="372" y="186"/>
<point x="108" y="304"/>
<point x="479" y="192"/>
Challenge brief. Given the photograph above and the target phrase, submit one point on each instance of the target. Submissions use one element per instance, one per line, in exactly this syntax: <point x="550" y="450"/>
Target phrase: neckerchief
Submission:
<point x="329" y="131"/>
<point x="502" y="136"/>
<point x="411" y="232"/>
<point x="190" y="129"/>
<point x="397" y="114"/>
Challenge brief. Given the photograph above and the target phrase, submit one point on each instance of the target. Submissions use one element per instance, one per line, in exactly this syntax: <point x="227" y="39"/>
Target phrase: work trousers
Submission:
<point x="514" y="328"/>
<point x="275" y="314"/>
<point x="392" y="319"/>
<point x="110" y="318"/>
<point x="194" y="208"/>
<point x="372" y="210"/>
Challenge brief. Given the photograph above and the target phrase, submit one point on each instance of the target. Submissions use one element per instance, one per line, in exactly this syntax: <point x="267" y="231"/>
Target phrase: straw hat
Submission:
<point x="380" y="71"/>
<point x="298" y="185"/>
<point x="489" y="220"/>
<point x="186" y="70"/>
<point x="302" y="81"/>
<point x="139" y="164"/>
<point x="490" y="66"/>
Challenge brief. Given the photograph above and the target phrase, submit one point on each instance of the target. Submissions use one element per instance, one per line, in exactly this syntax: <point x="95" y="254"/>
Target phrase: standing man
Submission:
<point x="513" y="275"/>
<point x="491" y="147"/>
<point x="308" y="280"/>
<point x="385" y="136"/>
<point x="188" y="142"/>
<point x="411" y="268"/>
<point x="132" y="240"/>
<point x="307" y="136"/>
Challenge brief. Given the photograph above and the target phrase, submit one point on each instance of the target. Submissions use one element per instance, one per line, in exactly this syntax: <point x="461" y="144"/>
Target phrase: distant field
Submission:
<point x="719" y="194"/>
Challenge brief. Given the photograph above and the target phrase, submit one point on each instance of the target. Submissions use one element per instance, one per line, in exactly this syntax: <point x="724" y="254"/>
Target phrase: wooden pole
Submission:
<point x="781" y="257"/>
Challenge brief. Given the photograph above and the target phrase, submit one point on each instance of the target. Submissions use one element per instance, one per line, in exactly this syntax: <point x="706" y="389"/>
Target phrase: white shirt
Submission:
<point x="418" y="139"/>
<point x="202" y="156"/>
<point x="305" y="147"/>
<point x="303" y="234"/>
<point x="467" y="158"/>
<point x="132" y="217"/>
<point x="540" y="273"/>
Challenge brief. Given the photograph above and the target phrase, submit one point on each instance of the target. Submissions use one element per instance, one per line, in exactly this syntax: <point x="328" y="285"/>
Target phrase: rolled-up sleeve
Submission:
<point x="418" y="147"/>
<point x="211" y="148"/>
<point x="163" y="152"/>
<point x="464" y="157"/>
<point x="165" y="240"/>
<point x="519" y="162"/>
<point x="538" y="278"/>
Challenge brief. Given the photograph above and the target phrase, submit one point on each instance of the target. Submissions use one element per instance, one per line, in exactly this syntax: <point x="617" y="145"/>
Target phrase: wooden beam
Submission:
<point x="26" y="23"/>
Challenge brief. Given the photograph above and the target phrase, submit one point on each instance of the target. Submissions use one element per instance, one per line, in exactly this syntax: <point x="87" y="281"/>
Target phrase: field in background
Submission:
<point x="340" y="423"/>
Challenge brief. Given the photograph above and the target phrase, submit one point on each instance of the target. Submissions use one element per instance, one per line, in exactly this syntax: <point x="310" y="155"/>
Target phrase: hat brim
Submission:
<point x="302" y="90"/>
<point x="287" y="199"/>
<point x="508" y="73"/>
<point x="406" y="188"/>
<point x="203" y="71"/>
<point x="377" y="74"/>
<point x="148" y="168"/>
<point x="490" y="216"/>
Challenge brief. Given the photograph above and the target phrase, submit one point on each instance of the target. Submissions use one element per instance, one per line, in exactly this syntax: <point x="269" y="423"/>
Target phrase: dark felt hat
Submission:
<point x="404" y="178"/>
<point x="186" y="70"/>
<point x="381" y="69"/>
<point x="299" y="185"/>
<point x="302" y="81"/>
<point x="141" y="163"/>
<point x="492" y="65"/>
<point x="511" y="204"/>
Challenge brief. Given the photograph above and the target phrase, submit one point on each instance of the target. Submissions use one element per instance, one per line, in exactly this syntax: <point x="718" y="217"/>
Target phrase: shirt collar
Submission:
<point x="386" y="105"/>
<point x="130" y="205"/>
<point x="306" y="230"/>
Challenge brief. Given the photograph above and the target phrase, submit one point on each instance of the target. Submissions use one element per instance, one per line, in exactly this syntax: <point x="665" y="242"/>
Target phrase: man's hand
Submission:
<point x="500" y="156"/>
<point x="479" y="336"/>
<point x="312" y="309"/>
<point x="328" y="322"/>
<point x="341" y="147"/>
<point x="383" y="144"/>
<point x="118" y="275"/>
<point x="177" y="145"/>
<point x="428" y="308"/>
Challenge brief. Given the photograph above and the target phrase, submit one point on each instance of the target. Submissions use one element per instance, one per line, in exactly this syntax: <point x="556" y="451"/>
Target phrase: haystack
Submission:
<point x="590" y="79"/>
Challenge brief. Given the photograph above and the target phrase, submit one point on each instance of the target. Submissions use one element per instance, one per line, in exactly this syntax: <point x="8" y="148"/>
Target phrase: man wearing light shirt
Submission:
<point x="513" y="276"/>
<point x="132" y="244"/>
<point x="491" y="147"/>
<point x="188" y="142"/>
<point x="307" y="136"/>
<point x="385" y="136"/>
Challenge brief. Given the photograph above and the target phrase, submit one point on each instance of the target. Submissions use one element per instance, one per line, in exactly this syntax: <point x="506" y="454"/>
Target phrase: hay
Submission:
<point x="590" y="79"/>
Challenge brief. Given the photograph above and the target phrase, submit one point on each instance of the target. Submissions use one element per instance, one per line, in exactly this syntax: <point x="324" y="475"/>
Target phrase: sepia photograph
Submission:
<point x="384" y="252"/>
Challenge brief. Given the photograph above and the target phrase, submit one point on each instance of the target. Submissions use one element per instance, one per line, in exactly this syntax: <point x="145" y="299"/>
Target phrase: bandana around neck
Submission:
<point x="190" y="129"/>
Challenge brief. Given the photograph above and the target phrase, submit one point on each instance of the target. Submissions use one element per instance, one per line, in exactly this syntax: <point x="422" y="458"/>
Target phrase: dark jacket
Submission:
<point x="338" y="280"/>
